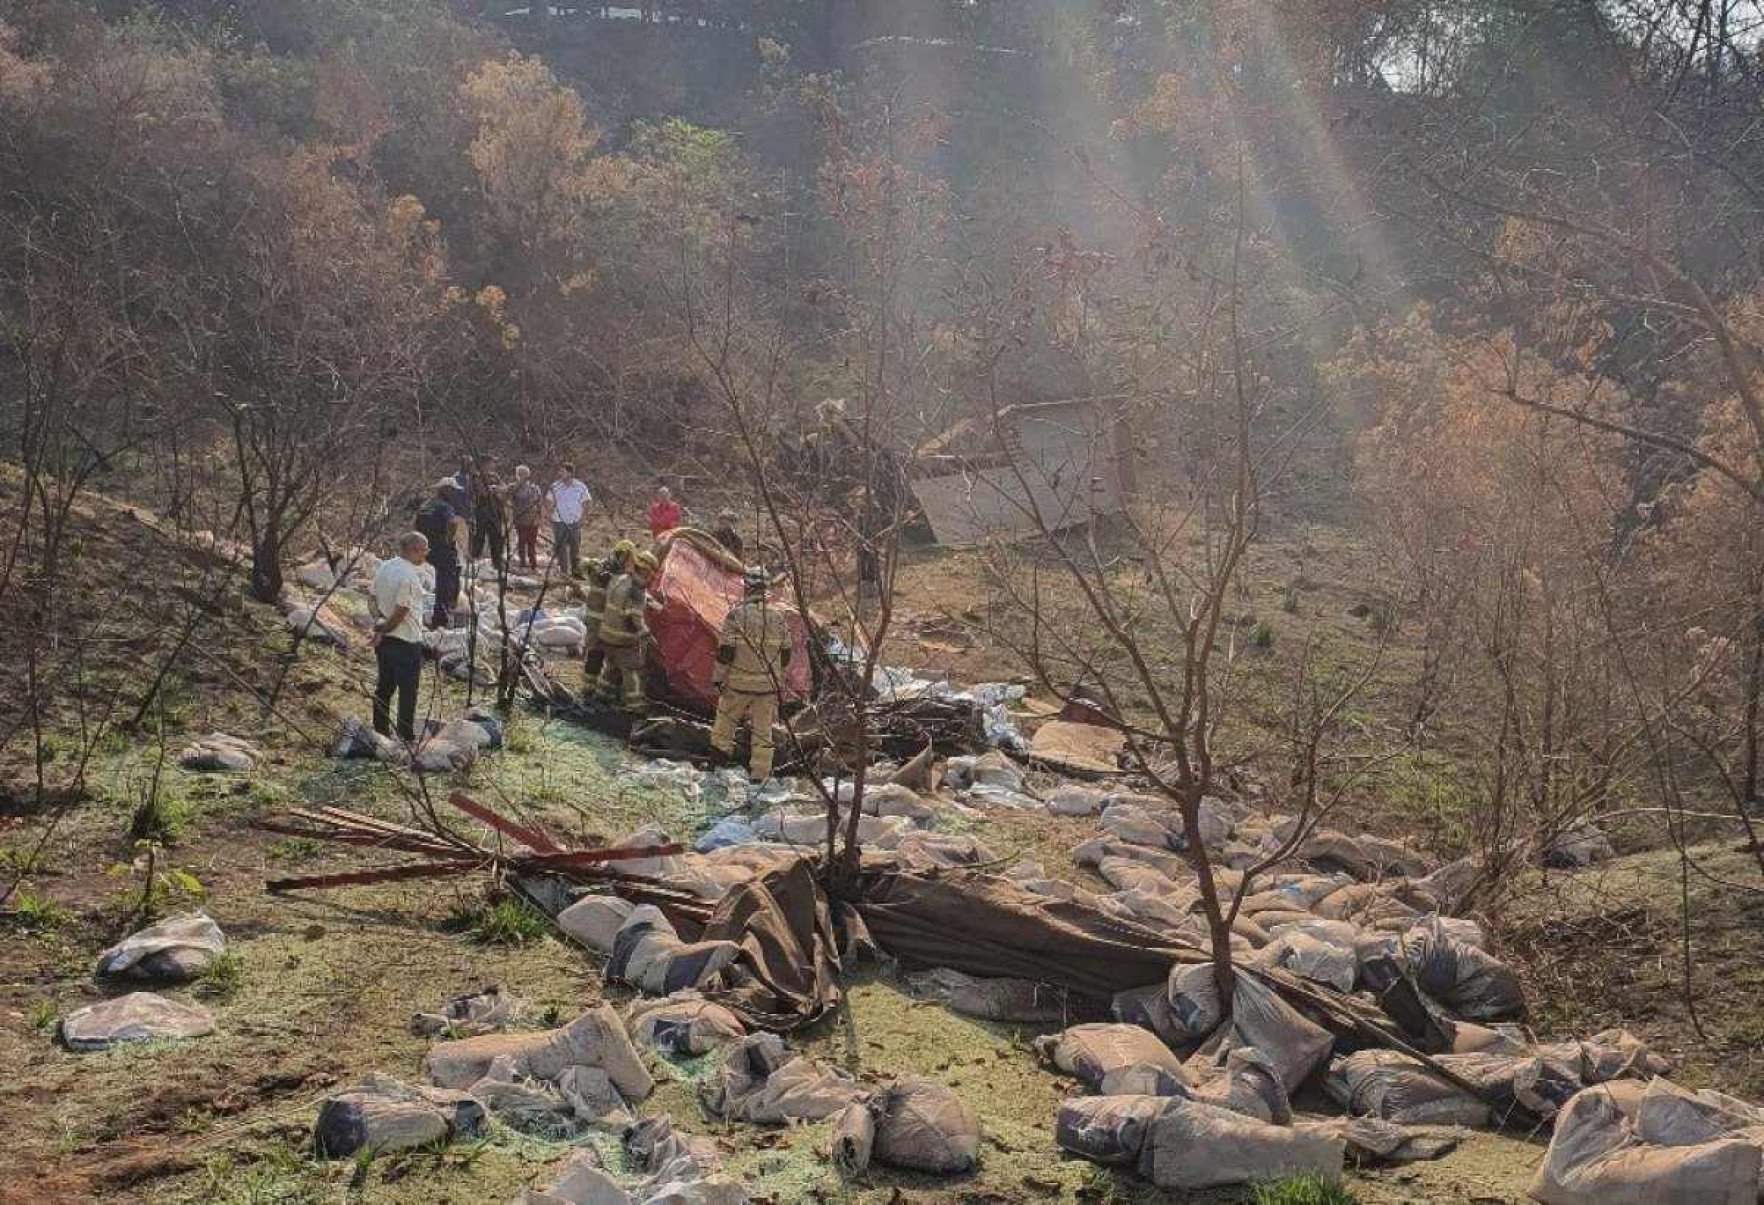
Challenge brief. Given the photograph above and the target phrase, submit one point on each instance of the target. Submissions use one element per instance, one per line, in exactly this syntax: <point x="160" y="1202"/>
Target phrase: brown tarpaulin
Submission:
<point x="789" y="955"/>
<point x="987" y="926"/>
<point x="977" y="923"/>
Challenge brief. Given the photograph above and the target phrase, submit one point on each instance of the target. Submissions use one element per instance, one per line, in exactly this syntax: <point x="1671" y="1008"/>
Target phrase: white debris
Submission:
<point x="136" y="1017"/>
<point x="175" y="950"/>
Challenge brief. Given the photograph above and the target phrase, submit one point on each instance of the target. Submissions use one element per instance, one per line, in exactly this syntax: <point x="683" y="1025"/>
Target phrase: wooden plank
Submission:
<point x="433" y="849"/>
<point x="361" y="821"/>
<point x="589" y="857"/>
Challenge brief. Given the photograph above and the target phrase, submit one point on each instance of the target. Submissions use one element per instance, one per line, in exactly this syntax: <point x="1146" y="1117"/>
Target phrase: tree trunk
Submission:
<point x="266" y="568"/>
<point x="1754" y="696"/>
<point x="1218" y="928"/>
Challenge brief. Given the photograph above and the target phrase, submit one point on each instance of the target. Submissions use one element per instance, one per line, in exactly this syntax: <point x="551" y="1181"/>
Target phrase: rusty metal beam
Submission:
<point x="533" y="839"/>
<point x="388" y="874"/>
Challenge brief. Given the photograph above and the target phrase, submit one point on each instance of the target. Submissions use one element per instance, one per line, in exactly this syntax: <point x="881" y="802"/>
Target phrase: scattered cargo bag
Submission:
<point x="381" y="1115"/>
<point x="597" y="1038"/>
<point x="853" y="1139"/>
<point x="1246" y="1083"/>
<point x="923" y="1126"/>
<point x="1668" y="1115"/>
<point x="1473" y="984"/>
<point x="1393" y="1087"/>
<point x="1092" y="1051"/>
<point x="1011" y="1000"/>
<point x="1313" y="959"/>
<point x="1141" y="826"/>
<point x="1141" y="1079"/>
<point x="763" y="1082"/>
<point x="1193" y="1145"/>
<point x="893" y="799"/>
<point x="1371" y="1141"/>
<point x="1071" y="799"/>
<point x="1147" y="1007"/>
<point x="649" y="955"/>
<point x="685" y="1023"/>
<point x="1578" y="845"/>
<point x="595" y="920"/>
<point x="1293" y="1045"/>
<point x="1539" y="1086"/>
<point x="1108" y="1129"/>
<point x="1609" y="1054"/>
<point x="1596" y="1158"/>
<point x="175" y="949"/>
<point x="136" y="1017"/>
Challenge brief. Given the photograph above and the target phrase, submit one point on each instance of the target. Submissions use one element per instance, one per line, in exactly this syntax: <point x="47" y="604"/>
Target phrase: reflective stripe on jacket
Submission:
<point x="753" y="649"/>
<point x="622" y="624"/>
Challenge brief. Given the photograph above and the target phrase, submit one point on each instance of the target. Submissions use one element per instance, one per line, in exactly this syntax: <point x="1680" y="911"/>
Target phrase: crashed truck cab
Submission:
<point x="698" y="585"/>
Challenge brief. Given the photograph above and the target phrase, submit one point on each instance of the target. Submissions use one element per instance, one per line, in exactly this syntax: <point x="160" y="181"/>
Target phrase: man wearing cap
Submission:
<point x="752" y="654"/>
<point x="600" y="576"/>
<point x="624" y="631"/>
<point x="444" y="528"/>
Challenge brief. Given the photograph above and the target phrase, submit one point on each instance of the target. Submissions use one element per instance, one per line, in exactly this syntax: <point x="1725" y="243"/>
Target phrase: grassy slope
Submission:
<point x="330" y="981"/>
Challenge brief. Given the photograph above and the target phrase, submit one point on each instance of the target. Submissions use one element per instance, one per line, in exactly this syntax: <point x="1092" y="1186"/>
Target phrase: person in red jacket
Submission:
<point x="664" y="512"/>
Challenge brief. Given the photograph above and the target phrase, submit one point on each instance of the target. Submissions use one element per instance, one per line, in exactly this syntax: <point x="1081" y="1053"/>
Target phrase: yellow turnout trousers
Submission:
<point x="758" y="711"/>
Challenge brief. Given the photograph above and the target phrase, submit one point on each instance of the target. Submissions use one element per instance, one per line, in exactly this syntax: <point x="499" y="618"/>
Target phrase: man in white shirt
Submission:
<point x="566" y="500"/>
<point x="396" y="599"/>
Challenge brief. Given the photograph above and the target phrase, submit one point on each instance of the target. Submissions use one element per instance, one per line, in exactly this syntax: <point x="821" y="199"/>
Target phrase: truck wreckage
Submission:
<point x="698" y="585"/>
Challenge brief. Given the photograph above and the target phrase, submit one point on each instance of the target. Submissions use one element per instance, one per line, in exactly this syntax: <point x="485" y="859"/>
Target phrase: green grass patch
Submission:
<point x="33" y="913"/>
<point x="14" y="861"/>
<point x="277" y="1174"/>
<point x="162" y="812"/>
<point x="1302" y="1190"/>
<point x="43" y="1017"/>
<point x="503" y="922"/>
<point x="223" y="978"/>
<point x="1431" y="789"/>
<point x="294" y="849"/>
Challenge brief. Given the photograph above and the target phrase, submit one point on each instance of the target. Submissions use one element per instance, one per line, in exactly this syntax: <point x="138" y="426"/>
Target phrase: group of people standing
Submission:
<point x="475" y="509"/>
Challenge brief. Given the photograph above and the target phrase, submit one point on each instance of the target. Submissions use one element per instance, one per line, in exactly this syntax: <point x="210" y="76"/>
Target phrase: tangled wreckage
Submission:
<point x="1366" y="1020"/>
<point x="698" y="585"/>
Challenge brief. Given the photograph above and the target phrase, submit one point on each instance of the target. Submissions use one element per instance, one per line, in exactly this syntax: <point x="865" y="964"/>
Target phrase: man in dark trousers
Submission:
<point x="489" y="512"/>
<point x="444" y="528"/>
<point x="396" y="599"/>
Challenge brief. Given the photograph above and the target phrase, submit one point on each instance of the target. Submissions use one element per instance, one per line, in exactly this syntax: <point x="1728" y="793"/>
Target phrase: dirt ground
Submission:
<point x="329" y="980"/>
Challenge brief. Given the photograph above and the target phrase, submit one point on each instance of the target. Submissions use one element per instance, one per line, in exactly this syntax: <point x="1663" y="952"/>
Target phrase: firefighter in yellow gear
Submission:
<point x="597" y="576"/>
<point x="752" y="654"/>
<point x="624" y="633"/>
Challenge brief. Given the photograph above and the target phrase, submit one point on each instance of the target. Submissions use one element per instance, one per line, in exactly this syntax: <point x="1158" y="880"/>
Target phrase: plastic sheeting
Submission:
<point x="763" y="1082"/>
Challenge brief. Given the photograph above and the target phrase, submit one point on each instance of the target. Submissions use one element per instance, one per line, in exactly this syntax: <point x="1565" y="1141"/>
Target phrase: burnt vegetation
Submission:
<point x="1425" y="337"/>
